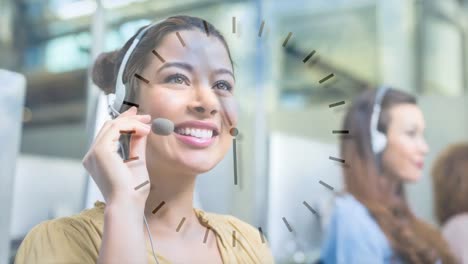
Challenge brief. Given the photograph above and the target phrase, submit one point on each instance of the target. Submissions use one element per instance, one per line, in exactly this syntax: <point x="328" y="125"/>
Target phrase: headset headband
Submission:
<point x="115" y="101"/>
<point x="378" y="139"/>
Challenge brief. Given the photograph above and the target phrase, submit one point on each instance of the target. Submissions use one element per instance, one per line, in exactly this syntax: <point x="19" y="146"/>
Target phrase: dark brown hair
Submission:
<point x="106" y="66"/>
<point x="450" y="182"/>
<point x="412" y="240"/>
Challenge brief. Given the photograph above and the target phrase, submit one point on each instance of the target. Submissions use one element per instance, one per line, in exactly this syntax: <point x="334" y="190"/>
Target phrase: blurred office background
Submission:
<point x="420" y="46"/>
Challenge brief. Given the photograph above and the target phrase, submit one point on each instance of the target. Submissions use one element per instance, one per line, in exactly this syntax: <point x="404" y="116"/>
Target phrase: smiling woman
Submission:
<point x="181" y="70"/>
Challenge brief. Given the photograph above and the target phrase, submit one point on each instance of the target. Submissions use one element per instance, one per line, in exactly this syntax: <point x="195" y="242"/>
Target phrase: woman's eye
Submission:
<point x="223" y="86"/>
<point x="177" y="78"/>
<point x="411" y="133"/>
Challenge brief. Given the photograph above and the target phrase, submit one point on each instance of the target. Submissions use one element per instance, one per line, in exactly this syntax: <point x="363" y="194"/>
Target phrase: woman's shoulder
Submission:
<point x="455" y="232"/>
<point x="229" y="223"/>
<point x="347" y="204"/>
<point x="457" y="222"/>
<point x="226" y="219"/>
<point x="66" y="238"/>
<point x="352" y="213"/>
<point x="236" y="233"/>
<point x="353" y="235"/>
<point x="456" y="228"/>
<point x="87" y="219"/>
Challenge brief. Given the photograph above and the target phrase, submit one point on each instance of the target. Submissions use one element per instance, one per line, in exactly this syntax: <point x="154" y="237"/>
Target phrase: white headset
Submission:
<point x="378" y="139"/>
<point x="115" y="101"/>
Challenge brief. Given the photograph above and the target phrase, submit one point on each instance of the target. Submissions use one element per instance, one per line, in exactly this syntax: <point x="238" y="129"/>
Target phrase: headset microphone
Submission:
<point x="162" y="126"/>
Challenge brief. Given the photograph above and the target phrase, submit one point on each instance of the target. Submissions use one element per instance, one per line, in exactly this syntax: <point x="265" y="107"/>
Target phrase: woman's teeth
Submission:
<point x="195" y="132"/>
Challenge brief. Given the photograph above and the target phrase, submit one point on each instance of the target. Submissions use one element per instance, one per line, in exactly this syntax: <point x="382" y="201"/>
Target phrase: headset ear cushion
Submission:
<point x="128" y="97"/>
<point x="380" y="142"/>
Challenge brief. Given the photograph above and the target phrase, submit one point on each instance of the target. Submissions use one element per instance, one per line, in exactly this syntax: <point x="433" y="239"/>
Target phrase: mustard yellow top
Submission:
<point x="77" y="239"/>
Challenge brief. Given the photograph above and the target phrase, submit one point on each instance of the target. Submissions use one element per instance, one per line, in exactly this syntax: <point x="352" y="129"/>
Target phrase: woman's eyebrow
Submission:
<point x="182" y="65"/>
<point x="189" y="68"/>
<point x="223" y="71"/>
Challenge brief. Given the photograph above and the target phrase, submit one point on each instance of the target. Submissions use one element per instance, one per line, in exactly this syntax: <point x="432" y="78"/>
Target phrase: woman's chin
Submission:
<point x="198" y="169"/>
<point x="197" y="165"/>
<point x="413" y="178"/>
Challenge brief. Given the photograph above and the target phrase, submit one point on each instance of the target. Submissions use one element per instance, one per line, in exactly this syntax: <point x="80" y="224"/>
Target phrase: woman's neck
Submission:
<point x="392" y="188"/>
<point x="170" y="198"/>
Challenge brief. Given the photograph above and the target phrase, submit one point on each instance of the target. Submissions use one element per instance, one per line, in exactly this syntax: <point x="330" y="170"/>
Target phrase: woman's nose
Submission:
<point x="205" y="103"/>
<point x="199" y="109"/>
<point x="424" y="147"/>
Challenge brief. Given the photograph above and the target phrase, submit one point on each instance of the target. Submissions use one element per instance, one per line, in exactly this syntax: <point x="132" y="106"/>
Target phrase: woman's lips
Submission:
<point x="420" y="165"/>
<point x="196" y="142"/>
<point x="196" y="133"/>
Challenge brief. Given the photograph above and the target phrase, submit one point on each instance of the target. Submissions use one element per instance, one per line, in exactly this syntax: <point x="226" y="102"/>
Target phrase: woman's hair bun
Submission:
<point x="104" y="71"/>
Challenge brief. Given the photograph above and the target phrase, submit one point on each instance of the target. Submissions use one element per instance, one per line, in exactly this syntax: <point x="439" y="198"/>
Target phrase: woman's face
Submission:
<point x="194" y="89"/>
<point x="406" y="147"/>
